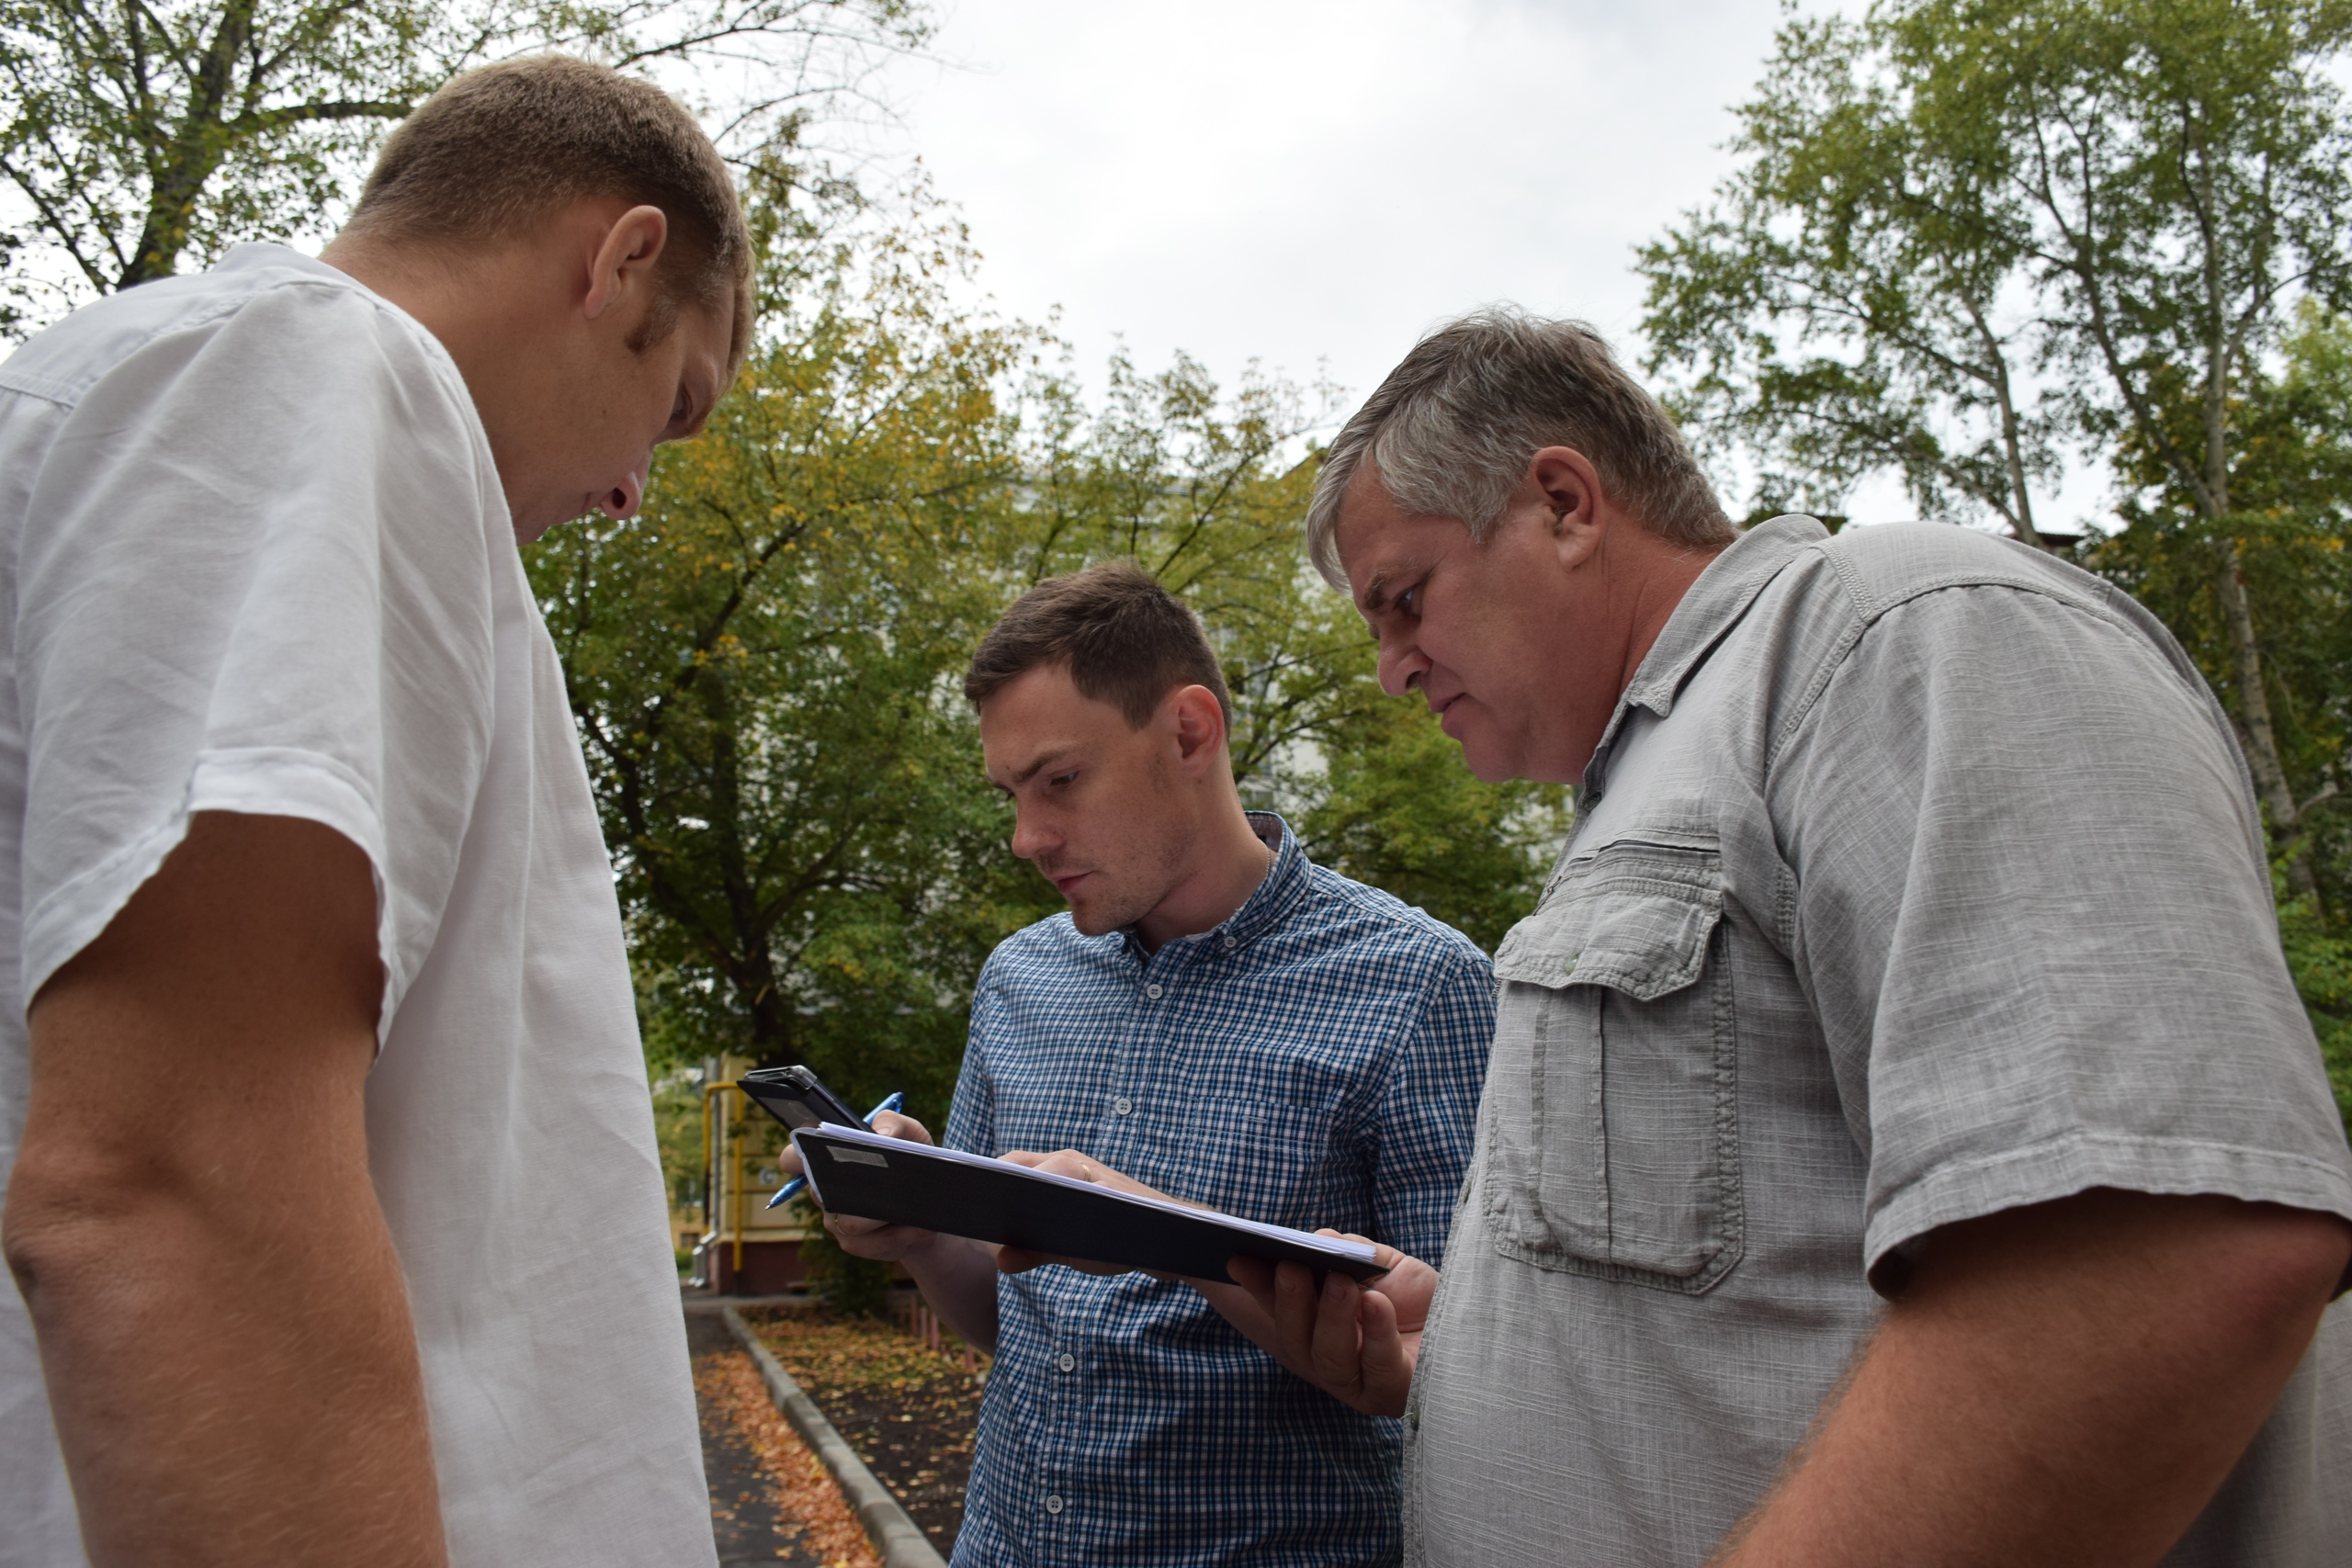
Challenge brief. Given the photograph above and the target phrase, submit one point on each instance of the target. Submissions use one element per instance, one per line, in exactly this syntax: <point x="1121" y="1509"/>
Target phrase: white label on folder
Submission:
<point x="856" y="1156"/>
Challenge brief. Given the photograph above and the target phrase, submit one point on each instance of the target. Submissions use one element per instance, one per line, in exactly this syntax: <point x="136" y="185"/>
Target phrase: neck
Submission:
<point x="1662" y="572"/>
<point x="481" y="305"/>
<point x="1227" y="864"/>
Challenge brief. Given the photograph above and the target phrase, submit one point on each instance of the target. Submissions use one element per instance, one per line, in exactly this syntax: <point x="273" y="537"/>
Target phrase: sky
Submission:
<point x="1313" y="183"/>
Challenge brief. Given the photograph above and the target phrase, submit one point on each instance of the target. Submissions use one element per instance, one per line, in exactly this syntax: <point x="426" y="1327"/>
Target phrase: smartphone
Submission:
<point x="797" y="1097"/>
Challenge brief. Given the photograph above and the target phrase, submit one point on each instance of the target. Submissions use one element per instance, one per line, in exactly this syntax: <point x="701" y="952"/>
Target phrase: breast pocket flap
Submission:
<point x="1632" y="930"/>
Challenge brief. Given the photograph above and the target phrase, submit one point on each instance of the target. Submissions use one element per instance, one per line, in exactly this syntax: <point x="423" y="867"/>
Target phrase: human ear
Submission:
<point x="1563" y="481"/>
<point x="623" y="267"/>
<point x="1199" y="720"/>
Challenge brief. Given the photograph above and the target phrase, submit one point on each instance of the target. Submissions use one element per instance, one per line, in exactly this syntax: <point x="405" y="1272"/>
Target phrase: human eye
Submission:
<point x="1407" y="601"/>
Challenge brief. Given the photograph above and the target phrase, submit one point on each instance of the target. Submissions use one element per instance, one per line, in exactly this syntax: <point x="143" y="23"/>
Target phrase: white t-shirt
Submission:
<point x="253" y="557"/>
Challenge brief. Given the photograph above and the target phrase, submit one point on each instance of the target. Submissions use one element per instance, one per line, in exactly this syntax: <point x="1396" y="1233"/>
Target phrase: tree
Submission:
<point x="1850" y="304"/>
<point x="142" y="132"/>
<point x="1398" y="809"/>
<point x="2156" y="182"/>
<point x="766" y="666"/>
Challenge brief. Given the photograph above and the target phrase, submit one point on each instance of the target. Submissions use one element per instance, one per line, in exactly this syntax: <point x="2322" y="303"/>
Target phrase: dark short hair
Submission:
<point x="499" y="149"/>
<point x="1126" y="639"/>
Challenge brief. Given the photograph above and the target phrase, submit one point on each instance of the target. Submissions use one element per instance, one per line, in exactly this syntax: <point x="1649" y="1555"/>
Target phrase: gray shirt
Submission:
<point x="1917" y="878"/>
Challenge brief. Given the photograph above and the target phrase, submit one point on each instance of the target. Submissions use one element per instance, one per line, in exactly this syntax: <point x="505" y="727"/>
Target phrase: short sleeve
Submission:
<point x="2033" y="911"/>
<point x="1427" y="1108"/>
<point x="254" y="577"/>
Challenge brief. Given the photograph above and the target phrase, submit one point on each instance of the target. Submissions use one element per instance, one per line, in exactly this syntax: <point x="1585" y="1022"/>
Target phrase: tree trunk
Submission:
<point x="195" y="153"/>
<point x="2253" y="714"/>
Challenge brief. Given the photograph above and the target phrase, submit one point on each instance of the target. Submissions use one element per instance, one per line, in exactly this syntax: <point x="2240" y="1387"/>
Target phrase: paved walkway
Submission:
<point x="747" y="1507"/>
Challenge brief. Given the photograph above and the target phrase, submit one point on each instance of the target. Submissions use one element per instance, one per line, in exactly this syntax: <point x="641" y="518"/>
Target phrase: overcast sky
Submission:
<point x="1314" y="183"/>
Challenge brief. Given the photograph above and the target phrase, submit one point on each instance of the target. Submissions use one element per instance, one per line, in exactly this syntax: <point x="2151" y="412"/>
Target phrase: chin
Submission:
<point x="1092" y="924"/>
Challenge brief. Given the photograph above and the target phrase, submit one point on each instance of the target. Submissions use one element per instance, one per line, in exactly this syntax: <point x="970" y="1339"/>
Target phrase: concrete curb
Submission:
<point x="898" y="1540"/>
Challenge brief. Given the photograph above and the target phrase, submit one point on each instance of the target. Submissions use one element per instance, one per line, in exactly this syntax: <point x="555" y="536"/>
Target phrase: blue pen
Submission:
<point x="891" y="1102"/>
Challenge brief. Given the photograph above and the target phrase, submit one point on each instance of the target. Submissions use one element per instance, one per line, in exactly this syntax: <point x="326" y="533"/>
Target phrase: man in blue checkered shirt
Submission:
<point x="1223" y="1021"/>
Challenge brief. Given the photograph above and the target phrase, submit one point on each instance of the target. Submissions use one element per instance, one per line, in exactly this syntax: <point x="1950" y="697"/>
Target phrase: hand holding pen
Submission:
<point x="889" y="1102"/>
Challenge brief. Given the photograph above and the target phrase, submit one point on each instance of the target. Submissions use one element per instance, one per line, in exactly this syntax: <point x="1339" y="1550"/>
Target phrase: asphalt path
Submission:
<point x="746" y="1519"/>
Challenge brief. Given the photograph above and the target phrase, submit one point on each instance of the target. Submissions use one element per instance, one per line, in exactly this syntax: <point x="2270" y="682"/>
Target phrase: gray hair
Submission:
<point x="1451" y="429"/>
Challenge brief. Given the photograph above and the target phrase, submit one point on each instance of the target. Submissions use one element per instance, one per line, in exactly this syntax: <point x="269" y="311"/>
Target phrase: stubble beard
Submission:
<point x="1143" y="885"/>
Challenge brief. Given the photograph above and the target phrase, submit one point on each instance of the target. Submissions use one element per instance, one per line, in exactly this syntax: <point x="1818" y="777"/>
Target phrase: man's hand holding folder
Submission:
<point x="1349" y="1341"/>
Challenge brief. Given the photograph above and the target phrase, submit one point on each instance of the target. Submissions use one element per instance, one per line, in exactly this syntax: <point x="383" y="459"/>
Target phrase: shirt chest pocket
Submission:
<point x="1611" y="1138"/>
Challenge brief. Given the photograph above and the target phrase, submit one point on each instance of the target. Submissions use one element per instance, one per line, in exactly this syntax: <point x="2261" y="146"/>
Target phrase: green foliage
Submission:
<point x="138" y="132"/>
<point x="1844" y="306"/>
<point x="2319" y="954"/>
<point x="677" y="1127"/>
<point x="1947" y="203"/>
<point x="1400" y="812"/>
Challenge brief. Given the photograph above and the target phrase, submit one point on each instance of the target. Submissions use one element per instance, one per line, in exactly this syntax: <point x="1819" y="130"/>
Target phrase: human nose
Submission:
<point x="622" y="500"/>
<point x="1030" y="839"/>
<point x="1402" y="665"/>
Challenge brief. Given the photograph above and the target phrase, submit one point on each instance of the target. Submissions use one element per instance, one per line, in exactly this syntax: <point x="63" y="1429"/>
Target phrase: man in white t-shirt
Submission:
<point x="331" y="1190"/>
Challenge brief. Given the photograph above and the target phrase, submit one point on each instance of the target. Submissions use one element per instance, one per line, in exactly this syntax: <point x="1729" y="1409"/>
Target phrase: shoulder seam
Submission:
<point x="1869" y="612"/>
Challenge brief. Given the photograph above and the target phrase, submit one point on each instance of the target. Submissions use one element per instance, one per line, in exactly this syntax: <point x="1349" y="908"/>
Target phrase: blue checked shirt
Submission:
<point x="1316" y="1060"/>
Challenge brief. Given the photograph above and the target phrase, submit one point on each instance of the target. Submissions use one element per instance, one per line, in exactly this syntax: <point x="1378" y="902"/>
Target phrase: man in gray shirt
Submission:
<point x="1903" y="1141"/>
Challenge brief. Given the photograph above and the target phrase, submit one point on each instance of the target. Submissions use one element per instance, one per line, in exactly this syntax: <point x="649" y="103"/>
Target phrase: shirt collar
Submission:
<point x="1284" y="882"/>
<point x="1710" y="607"/>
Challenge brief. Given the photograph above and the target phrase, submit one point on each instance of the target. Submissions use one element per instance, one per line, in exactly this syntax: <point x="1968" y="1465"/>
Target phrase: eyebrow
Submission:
<point x="1376" y="593"/>
<point x="1037" y="765"/>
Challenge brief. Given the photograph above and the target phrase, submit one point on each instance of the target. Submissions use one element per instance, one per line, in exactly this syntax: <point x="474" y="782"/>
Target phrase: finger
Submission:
<point x="1256" y="1276"/>
<point x="788" y="1162"/>
<point x="1339" y="1342"/>
<point x="1061" y="1162"/>
<point x="1294" y="1309"/>
<point x="890" y="1124"/>
<point x="1388" y="1374"/>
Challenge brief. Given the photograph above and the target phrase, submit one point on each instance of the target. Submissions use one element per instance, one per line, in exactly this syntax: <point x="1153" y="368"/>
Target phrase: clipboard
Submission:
<point x="861" y="1173"/>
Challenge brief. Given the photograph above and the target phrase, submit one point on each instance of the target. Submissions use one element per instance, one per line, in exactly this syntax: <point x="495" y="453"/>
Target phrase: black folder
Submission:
<point x="874" y="1177"/>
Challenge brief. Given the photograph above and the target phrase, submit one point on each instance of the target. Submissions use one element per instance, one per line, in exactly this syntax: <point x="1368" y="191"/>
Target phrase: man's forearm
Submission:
<point x="225" y="1332"/>
<point x="2066" y="1384"/>
<point x="958" y="1278"/>
<point x="224" y="1393"/>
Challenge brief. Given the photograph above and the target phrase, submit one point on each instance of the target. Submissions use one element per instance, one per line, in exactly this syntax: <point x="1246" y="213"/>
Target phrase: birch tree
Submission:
<point x="1970" y="233"/>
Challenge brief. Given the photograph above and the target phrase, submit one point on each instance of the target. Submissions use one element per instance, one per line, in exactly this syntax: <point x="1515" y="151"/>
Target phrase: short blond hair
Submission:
<point x="498" y="149"/>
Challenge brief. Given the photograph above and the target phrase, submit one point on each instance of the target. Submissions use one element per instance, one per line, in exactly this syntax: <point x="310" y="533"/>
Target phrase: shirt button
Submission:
<point x="1230" y="942"/>
<point x="1123" y="1105"/>
<point x="1068" y="1363"/>
<point x="1152" y="992"/>
<point x="1054" y="1504"/>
